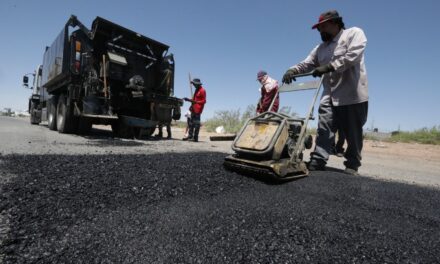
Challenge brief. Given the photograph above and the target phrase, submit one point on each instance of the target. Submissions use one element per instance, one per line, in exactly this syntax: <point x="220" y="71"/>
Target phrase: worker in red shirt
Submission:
<point x="198" y="102"/>
<point x="269" y="91"/>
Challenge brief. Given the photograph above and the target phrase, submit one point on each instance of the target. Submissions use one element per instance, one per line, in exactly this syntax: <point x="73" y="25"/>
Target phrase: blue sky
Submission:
<point x="225" y="43"/>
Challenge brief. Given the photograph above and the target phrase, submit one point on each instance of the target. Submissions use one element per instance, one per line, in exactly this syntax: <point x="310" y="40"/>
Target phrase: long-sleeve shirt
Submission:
<point x="348" y="83"/>
<point x="268" y="90"/>
<point x="200" y="100"/>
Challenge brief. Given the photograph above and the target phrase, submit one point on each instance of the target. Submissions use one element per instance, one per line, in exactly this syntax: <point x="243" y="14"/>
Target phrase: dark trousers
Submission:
<point x="339" y="147"/>
<point x="349" y="119"/>
<point x="194" y="126"/>
<point x="168" y="126"/>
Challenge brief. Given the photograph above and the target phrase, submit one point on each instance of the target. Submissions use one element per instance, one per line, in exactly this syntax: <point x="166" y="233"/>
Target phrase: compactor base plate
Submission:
<point x="278" y="170"/>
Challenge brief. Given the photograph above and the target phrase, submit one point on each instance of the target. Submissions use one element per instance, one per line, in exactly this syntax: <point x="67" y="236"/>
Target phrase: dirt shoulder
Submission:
<point x="403" y="162"/>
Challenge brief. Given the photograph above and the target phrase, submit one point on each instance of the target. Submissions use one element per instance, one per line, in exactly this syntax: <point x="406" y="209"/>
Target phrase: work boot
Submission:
<point x="351" y="171"/>
<point x="187" y="138"/>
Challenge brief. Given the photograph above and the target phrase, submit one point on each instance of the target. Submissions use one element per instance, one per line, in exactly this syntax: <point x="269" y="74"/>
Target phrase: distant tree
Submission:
<point x="233" y="120"/>
<point x="288" y="111"/>
<point x="229" y="119"/>
<point x="250" y="112"/>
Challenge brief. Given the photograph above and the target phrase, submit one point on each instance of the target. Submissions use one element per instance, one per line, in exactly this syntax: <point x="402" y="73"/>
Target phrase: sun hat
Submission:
<point x="196" y="81"/>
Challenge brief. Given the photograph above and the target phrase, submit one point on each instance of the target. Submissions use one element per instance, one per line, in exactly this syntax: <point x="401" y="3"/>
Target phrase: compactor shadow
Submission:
<point x="268" y="178"/>
<point x="272" y="179"/>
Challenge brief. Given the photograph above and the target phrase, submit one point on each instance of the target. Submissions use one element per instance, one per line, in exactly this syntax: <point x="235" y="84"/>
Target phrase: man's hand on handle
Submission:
<point x="319" y="71"/>
<point x="289" y="76"/>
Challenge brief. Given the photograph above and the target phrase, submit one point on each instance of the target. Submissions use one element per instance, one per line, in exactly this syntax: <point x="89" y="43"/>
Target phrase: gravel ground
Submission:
<point x="166" y="208"/>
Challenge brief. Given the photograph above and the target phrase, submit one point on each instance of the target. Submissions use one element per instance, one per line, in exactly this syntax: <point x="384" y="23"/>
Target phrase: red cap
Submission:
<point x="326" y="16"/>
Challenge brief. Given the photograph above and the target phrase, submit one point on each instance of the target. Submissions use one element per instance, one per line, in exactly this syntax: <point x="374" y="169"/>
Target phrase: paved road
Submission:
<point x="94" y="199"/>
<point x="403" y="164"/>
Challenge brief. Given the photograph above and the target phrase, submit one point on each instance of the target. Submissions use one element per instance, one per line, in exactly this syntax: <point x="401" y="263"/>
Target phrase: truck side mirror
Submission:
<point x="25" y="80"/>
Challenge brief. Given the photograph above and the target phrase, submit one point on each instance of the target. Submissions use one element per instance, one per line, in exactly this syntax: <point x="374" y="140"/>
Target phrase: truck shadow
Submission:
<point x="102" y="137"/>
<point x="105" y="137"/>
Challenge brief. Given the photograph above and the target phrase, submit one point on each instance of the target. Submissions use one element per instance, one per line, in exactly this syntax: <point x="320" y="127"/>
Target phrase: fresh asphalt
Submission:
<point x="183" y="207"/>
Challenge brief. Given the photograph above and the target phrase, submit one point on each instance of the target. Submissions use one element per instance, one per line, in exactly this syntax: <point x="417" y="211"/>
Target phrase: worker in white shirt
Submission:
<point x="344" y="103"/>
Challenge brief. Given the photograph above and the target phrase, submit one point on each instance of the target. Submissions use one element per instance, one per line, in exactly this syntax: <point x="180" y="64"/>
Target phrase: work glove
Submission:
<point x="319" y="71"/>
<point x="289" y="76"/>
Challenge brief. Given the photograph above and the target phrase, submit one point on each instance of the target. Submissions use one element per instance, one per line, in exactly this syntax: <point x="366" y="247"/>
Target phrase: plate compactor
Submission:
<point x="272" y="144"/>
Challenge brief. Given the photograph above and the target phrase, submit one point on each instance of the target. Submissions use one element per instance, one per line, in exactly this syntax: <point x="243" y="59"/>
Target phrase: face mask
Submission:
<point x="326" y="36"/>
<point x="262" y="79"/>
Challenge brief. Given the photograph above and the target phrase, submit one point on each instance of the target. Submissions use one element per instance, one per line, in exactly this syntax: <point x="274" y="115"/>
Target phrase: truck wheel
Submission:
<point x="32" y="111"/>
<point x="122" y="130"/>
<point x="52" y="113"/>
<point x="84" y="125"/>
<point x="65" y="118"/>
<point x="143" y="133"/>
<point x="149" y="131"/>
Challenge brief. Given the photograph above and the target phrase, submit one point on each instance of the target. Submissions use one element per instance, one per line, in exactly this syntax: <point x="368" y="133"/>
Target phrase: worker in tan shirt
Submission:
<point x="344" y="103"/>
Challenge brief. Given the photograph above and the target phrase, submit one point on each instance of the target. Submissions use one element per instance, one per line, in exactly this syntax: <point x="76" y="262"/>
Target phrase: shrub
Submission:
<point x="423" y="136"/>
<point x="233" y="120"/>
<point x="229" y="119"/>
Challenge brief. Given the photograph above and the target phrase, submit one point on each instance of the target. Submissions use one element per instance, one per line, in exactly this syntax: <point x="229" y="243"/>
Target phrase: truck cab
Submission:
<point x="36" y="103"/>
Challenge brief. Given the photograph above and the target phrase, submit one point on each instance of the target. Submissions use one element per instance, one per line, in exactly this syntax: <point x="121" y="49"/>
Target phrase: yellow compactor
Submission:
<point x="272" y="144"/>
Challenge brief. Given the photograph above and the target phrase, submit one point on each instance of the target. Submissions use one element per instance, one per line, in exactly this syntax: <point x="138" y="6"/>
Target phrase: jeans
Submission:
<point x="194" y="126"/>
<point x="349" y="119"/>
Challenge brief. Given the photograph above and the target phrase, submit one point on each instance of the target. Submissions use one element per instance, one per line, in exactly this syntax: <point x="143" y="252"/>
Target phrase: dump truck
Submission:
<point x="106" y="75"/>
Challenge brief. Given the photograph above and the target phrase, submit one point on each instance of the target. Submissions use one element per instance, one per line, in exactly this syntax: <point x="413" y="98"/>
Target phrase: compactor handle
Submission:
<point x="303" y="74"/>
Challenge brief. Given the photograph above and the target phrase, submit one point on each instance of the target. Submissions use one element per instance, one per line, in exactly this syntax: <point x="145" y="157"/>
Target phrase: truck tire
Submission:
<point x="143" y="133"/>
<point x="149" y="131"/>
<point x="84" y="125"/>
<point x="121" y="130"/>
<point x="52" y="113"/>
<point x="65" y="118"/>
<point x="33" y="115"/>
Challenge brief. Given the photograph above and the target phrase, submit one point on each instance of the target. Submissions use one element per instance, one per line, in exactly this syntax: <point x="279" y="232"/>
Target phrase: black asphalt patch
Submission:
<point x="185" y="208"/>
